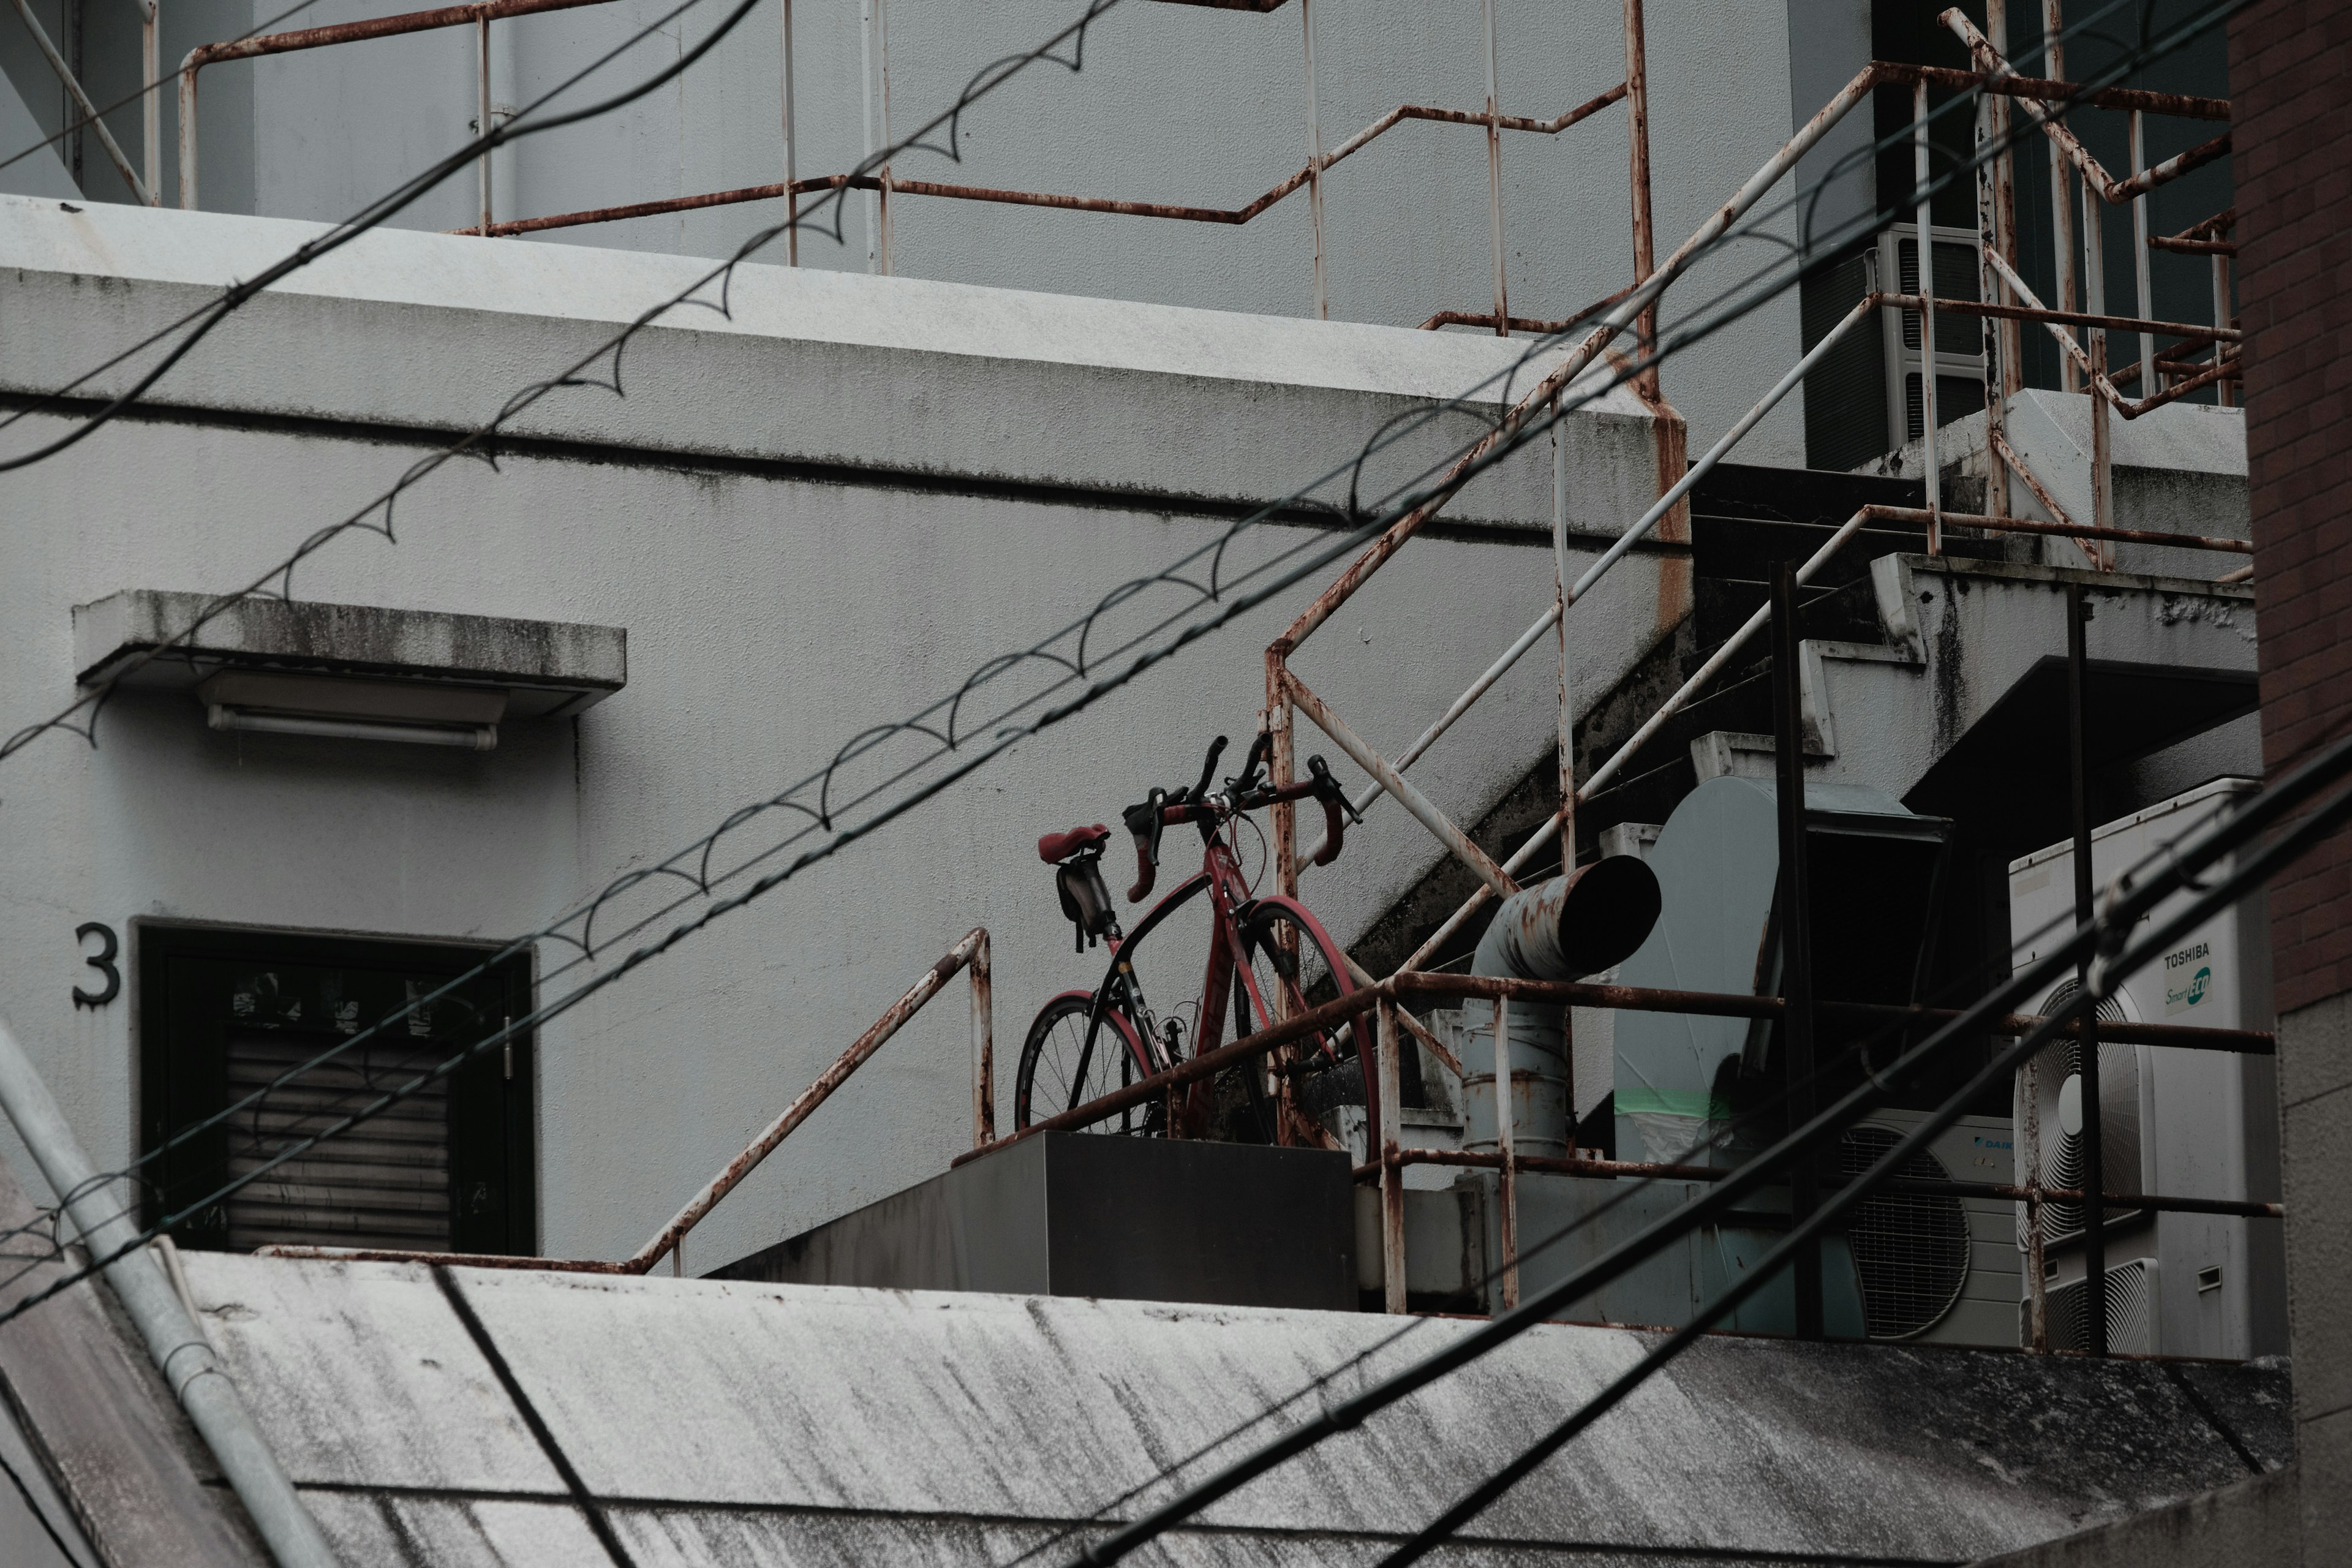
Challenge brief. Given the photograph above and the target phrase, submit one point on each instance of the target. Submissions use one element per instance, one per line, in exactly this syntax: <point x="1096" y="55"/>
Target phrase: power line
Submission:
<point x="702" y="880"/>
<point x="2110" y="931"/>
<point x="1266" y="1458"/>
<point x="1514" y="430"/>
<point x="383" y="208"/>
<point x="1761" y="1113"/>
<point x="2104" y="935"/>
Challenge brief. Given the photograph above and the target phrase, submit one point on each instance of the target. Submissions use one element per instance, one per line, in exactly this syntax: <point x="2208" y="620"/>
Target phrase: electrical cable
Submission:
<point x="2107" y="932"/>
<point x="1623" y="1191"/>
<point x="2110" y="931"/>
<point x="1117" y="595"/>
<point x="984" y="81"/>
<point x="383" y="208"/>
<point x="1003" y="69"/>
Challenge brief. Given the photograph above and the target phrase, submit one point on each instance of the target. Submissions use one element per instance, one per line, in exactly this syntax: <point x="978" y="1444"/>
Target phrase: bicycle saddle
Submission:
<point x="1056" y="847"/>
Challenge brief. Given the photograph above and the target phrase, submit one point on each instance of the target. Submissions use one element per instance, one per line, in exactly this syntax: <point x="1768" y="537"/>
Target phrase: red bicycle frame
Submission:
<point x="1119" y="1003"/>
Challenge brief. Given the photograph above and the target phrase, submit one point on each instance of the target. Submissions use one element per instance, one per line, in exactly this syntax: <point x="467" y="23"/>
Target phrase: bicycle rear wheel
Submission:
<point x="1059" y="1072"/>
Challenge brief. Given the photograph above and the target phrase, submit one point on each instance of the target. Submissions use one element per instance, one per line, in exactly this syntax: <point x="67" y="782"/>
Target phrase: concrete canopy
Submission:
<point x="476" y="1416"/>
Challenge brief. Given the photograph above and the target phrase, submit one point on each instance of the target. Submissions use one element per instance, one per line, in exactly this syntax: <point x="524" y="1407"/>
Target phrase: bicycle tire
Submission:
<point x="1054" y="1050"/>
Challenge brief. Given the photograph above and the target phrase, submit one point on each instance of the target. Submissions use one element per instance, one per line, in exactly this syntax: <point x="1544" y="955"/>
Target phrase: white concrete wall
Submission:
<point x="814" y="517"/>
<point x="1177" y="103"/>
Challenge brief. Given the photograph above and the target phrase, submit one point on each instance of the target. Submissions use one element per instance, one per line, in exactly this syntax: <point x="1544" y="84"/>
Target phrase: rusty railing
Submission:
<point x="1632" y="91"/>
<point x="1390" y="995"/>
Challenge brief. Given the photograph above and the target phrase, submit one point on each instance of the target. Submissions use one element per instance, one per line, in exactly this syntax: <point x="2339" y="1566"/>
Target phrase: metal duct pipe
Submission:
<point x="179" y="1348"/>
<point x="1566" y="928"/>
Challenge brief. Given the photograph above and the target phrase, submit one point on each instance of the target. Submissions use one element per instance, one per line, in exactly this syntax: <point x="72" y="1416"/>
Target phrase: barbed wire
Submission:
<point x="702" y="883"/>
<point x="200" y="321"/>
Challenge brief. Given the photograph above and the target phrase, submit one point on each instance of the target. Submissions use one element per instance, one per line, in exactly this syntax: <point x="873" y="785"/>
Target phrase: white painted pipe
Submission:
<point x="178" y="1347"/>
<point x="81" y="101"/>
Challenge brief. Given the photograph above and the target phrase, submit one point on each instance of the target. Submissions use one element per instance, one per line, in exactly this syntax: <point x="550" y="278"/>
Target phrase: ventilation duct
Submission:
<point x="1565" y="929"/>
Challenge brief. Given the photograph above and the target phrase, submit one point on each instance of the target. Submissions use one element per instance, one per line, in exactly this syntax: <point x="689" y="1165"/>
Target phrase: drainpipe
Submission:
<point x="178" y="1347"/>
<point x="1564" y="929"/>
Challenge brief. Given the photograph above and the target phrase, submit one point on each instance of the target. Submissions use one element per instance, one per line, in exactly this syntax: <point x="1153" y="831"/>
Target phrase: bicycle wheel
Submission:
<point x="1309" y="971"/>
<point x="1336" y="1061"/>
<point x="1058" y="1072"/>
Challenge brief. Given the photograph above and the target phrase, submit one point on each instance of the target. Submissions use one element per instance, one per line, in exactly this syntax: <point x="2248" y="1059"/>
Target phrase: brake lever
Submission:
<point x="1335" y="802"/>
<point x="1327" y="787"/>
<point x="1209" y="768"/>
<point x="1261" y="751"/>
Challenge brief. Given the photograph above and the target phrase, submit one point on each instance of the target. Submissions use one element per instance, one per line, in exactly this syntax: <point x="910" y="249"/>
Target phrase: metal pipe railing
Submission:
<point x="1926" y="1186"/>
<point x="479" y="17"/>
<point x="64" y="73"/>
<point x="970" y="955"/>
<point x="1230" y="215"/>
<point x="1387" y="997"/>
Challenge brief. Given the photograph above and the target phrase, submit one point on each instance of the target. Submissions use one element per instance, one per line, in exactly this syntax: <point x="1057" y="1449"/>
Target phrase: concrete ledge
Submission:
<point x="544" y="667"/>
<point x="807" y="366"/>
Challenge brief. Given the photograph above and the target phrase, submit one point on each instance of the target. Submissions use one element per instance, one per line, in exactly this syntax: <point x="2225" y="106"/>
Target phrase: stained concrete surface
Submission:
<point x="731" y="1422"/>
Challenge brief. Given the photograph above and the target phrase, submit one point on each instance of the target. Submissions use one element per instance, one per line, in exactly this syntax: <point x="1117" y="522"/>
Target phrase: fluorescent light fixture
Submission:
<point x="417" y="713"/>
<point x="472" y="737"/>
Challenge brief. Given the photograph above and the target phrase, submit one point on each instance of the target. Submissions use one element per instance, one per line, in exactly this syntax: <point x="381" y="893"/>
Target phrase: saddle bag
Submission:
<point x="1085" y="900"/>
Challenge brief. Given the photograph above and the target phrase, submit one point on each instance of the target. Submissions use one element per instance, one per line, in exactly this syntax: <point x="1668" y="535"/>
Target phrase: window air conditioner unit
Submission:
<point x="2175" y="1122"/>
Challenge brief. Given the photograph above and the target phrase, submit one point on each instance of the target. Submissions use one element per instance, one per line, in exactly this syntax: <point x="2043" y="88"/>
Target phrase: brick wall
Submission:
<point x="2290" y="89"/>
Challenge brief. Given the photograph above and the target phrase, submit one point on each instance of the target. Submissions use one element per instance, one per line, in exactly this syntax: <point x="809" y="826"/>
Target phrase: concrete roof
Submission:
<point x="805" y="366"/>
<point x="578" y="282"/>
<point x="725" y="1422"/>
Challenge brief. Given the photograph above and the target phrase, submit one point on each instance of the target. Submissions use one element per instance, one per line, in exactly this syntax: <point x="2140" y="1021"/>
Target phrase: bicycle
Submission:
<point x="1086" y="1043"/>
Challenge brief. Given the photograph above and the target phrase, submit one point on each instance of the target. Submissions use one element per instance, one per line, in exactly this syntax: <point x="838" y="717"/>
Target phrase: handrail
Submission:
<point x="1926" y="1186"/>
<point x="482" y="14"/>
<point x="1409" y="982"/>
<point x="91" y="117"/>
<point x="971" y="954"/>
<point x="2113" y="192"/>
<point x="2223" y="367"/>
<point x="899" y="186"/>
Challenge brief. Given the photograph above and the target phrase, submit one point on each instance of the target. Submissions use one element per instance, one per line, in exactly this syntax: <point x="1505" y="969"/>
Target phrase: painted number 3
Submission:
<point x="102" y="961"/>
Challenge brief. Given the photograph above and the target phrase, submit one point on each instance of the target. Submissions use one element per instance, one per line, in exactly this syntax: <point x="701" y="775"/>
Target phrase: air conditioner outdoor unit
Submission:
<point x="2176" y="1121"/>
<point x="1937" y="1269"/>
<point x="1960" y="340"/>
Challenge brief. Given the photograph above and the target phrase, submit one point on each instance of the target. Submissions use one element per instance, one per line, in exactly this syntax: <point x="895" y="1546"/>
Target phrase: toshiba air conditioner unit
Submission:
<point x="2174" y="1121"/>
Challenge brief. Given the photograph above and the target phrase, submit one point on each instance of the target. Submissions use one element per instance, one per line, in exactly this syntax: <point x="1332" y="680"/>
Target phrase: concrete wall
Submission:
<point x="1178" y="104"/>
<point x="814" y="516"/>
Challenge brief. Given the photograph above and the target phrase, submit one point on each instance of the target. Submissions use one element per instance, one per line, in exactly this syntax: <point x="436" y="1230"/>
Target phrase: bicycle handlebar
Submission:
<point x="1160" y="809"/>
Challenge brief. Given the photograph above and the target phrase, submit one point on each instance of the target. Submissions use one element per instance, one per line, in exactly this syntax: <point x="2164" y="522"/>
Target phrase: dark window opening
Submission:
<point x="224" y="1015"/>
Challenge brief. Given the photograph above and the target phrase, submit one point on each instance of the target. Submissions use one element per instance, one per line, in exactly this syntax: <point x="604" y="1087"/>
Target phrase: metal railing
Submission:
<point x="1286" y="693"/>
<point x="147" y="190"/>
<point x="970" y="955"/>
<point x="1632" y="91"/>
<point x="1390" y="994"/>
